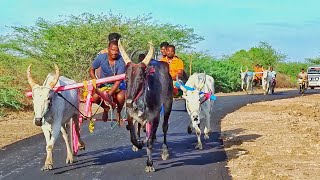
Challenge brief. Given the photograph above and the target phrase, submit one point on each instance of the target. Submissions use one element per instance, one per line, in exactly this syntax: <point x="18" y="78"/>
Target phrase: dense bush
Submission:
<point x="13" y="79"/>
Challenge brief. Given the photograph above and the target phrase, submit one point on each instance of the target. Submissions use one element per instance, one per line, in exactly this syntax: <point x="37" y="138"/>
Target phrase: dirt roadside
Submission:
<point x="274" y="140"/>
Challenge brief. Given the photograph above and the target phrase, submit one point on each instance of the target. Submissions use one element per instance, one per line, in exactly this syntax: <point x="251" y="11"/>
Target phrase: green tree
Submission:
<point x="74" y="42"/>
<point x="315" y="60"/>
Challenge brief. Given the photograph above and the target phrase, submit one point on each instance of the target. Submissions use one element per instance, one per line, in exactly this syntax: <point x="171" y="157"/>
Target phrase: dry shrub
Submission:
<point x="284" y="81"/>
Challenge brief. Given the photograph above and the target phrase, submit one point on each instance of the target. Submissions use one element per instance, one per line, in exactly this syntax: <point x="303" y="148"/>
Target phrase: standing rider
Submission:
<point x="273" y="76"/>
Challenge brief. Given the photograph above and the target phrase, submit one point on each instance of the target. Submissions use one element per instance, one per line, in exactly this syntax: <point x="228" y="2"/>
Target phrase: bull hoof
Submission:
<point x="149" y="169"/>
<point x="69" y="160"/>
<point x="164" y="152"/>
<point x="199" y="146"/>
<point x="206" y="136"/>
<point x="189" y="130"/>
<point x="134" y="148"/>
<point x="47" y="167"/>
<point x="164" y="156"/>
<point x="155" y="139"/>
<point x="82" y="147"/>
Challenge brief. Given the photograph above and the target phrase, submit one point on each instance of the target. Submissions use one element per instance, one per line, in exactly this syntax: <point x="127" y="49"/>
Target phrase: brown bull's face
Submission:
<point x="135" y="77"/>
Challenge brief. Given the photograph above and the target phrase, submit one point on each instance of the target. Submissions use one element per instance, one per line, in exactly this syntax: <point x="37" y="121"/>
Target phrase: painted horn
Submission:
<point x="56" y="77"/>
<point x="148" y="57"/>
<point x="123" y="53"/>
<point x="30" y="80"/>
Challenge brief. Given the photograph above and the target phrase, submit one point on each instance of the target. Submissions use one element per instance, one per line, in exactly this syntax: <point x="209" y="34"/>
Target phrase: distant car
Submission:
<point x="314" y="76"/>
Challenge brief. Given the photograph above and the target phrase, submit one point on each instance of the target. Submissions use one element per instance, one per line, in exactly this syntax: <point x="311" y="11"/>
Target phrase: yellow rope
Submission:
<point x="91" y="125"/>
<point x="85" y="94"/>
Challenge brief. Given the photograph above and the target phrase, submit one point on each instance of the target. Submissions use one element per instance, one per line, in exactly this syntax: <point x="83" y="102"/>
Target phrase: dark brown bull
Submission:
<point x="149" y="87"/>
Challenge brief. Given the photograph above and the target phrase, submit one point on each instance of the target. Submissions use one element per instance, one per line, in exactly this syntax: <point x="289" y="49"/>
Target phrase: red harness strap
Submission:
<point x="206" y="96"/>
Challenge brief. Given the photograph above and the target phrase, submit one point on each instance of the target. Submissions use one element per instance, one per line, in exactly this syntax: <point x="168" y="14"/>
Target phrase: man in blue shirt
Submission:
<point x="111" y="63"/>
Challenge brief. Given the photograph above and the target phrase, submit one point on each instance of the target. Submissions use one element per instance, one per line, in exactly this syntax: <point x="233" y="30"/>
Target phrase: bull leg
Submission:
<point x="46" y="128"/>
<point x="165" y="127"/>
<point x="198" y="133"/>
<point x="133" y="134"/>
<point x="150" y="131"/>
<point x="66" y="140"/>
<point x="81" y="144"/>
<point x="56" y="126"/>
<point x="137" y="129"/>
<point x="207" y="128"/>
<point x="247" y="89"/>
<point x="189" y="129"/>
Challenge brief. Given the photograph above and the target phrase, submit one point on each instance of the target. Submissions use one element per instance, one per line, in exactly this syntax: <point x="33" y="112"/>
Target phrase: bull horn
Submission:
<point x="148" y="57"/>
<point x="30" y="80"/>
<point x="247" y="69"/>
<point x="123" y="53"/>
<point x="241" y="69"/>
<point x="56" y="77"/>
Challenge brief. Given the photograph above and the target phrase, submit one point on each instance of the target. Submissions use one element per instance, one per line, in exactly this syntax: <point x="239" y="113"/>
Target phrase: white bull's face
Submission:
<point x="193" y="100"/>
<point x="41" y="96"/>
<point x="243" y="75"/>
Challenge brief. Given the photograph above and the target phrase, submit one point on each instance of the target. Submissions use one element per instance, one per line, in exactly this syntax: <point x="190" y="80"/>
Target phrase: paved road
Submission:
<point x="109" y="155"/>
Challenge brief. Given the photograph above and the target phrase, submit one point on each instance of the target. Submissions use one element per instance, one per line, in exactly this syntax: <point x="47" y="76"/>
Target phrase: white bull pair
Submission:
<point x="53" y="112"/>
<point x="198" y="104"/>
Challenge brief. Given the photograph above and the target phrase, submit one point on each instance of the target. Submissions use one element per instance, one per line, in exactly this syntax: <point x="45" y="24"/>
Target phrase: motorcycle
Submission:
<point x="302" y="86"/>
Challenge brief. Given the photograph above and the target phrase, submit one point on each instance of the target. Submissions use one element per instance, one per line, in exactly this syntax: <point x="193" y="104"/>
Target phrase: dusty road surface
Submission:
<point x="108" y="152"/>
<point x="274" y="140"/>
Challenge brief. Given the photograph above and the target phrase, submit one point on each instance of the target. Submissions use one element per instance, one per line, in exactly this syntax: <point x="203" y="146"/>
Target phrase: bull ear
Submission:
<point x="148" y="57"/>
<point x="123" y="53"/>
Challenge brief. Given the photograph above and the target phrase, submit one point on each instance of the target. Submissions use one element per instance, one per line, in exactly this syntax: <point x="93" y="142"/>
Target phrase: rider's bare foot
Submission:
<point x="119" y="120"/>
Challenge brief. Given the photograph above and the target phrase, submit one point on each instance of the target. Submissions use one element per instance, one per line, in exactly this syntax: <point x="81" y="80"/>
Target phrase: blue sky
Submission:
<point x="290" y="26"/>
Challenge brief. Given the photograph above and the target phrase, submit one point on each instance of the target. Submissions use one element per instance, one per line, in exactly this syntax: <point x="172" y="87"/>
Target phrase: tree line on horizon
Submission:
<point x="74" y="42"/>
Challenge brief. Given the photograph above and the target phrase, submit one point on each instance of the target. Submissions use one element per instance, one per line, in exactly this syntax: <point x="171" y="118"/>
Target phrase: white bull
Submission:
<point x="247" y="79"/>
<point x="198" y="105"/>
<point x="53" y="112"/>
